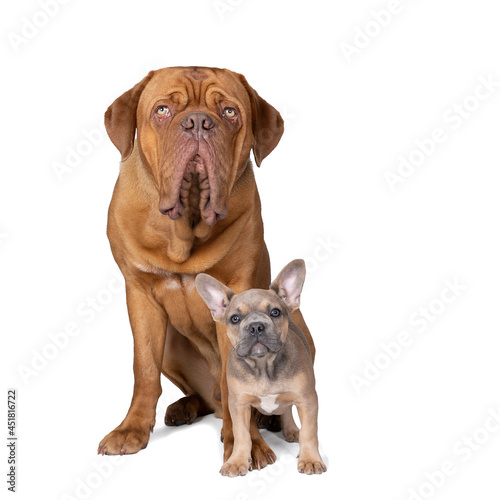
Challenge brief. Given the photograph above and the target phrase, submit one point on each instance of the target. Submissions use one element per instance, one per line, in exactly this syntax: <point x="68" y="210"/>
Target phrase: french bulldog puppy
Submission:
<point x="269" y="367"/>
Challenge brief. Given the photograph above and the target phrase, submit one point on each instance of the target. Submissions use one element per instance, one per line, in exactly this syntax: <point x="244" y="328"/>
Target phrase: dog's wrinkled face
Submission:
<point x="192" y="127"/>
<point x="257" y="320"/>
<point x="195" y="130"/>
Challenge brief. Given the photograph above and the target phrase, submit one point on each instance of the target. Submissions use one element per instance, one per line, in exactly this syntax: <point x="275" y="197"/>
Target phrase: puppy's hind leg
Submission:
<point x="290" y="429"/>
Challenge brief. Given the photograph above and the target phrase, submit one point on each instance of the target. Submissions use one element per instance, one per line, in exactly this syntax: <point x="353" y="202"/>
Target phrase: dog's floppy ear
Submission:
<point x="121" y="118"/>
<point x="215" y="295"/>
<point x="267" y="124"/>
<point x="288" y="285"/>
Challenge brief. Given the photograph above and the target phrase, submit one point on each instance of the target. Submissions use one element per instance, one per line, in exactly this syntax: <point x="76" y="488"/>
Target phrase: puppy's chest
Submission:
<point x="272" y="404"/>
<point x="268" y="403"/>
<point x="268" y="398"/>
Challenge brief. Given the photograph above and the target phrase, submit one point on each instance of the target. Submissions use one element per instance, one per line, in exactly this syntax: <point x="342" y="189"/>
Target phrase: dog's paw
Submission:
<point x="270" y="422"/>
<point x="186" y="410"/>
<point x="234" y="468"/>
<point x="262" y="455"/>
<point x="124" y="440"/>
<point x="292" y="436"/>
<point x="311" y="466"/>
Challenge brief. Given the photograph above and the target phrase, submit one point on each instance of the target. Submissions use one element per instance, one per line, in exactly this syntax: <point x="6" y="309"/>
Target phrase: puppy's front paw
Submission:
<point x="311" y="466"/>
<point x="234" y="468"/>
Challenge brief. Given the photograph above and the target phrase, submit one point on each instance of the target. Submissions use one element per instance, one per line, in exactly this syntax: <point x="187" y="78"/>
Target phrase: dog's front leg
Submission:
<point x="149" y="323"/>
<point x="262" y="455"/>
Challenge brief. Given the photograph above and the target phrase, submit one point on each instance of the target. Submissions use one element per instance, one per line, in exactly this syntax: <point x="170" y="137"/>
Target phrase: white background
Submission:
<point x="347" y="123"/>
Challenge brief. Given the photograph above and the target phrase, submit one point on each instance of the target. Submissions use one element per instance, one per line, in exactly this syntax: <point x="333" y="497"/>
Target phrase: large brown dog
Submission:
<point x="186" y="202"/>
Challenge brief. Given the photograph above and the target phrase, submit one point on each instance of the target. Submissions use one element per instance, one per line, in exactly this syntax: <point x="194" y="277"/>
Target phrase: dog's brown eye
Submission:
<point x="275" y="313"/>
<point x="229" y="113"/>
<point x="162" y="111"/>
<point x="235" y="319"/>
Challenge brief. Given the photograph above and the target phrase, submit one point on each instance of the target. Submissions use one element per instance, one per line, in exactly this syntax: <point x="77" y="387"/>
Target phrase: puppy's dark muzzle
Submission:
<point x="256" y="329"/>
<point x="258" y="340"/>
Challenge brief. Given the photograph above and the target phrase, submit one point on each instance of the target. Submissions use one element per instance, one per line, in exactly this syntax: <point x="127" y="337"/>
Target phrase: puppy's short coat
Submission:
<point x="269" y="367"/>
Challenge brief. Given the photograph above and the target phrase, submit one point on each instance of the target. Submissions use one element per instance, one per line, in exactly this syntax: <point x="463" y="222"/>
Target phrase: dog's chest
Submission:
<point x="169" y="282"/>
<point x="182" y="303"/>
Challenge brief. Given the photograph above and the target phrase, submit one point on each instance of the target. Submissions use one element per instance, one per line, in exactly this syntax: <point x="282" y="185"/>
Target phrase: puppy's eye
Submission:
<point x="275" y="313"/>
<point x="235" y="319"/>
<point x="162" y="111"/>
<point x="229" y="113"/>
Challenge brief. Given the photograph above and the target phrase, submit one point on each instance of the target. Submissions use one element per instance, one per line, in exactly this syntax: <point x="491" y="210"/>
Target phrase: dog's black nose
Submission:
<point x="256" y="328"/>
<point x="196" y="122"/>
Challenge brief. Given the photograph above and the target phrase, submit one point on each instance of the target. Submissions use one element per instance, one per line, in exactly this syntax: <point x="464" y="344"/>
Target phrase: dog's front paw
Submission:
<point x="262" y="455"/>
<point x="236" y="467"/>
<point x="311" y="466"/>
<point x="124" y="440"/>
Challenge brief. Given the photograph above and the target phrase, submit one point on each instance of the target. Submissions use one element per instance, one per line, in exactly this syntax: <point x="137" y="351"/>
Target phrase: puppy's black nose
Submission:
<point x="256" y="328"/>
<point x="196" y="122"/>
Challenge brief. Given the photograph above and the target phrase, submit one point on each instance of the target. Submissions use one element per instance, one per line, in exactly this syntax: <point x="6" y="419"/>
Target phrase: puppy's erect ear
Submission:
<point x="215" y="295"/>
<point x="267" y="124"/>
<point x="288" y="284"/>
<point x="121" y="118"/>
